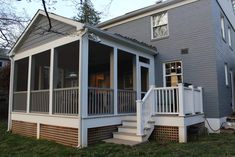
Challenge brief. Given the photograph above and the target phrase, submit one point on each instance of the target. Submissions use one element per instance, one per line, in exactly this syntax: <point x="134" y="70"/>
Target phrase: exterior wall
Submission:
<point x="189" y="27"/>
<point x="38" y="34"/>
<point x="224" y="54"/>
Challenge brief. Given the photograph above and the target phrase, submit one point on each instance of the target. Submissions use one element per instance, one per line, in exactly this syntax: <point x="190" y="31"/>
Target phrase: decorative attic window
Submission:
<point x="222" y="27"/>
<point x="160" y="25"/>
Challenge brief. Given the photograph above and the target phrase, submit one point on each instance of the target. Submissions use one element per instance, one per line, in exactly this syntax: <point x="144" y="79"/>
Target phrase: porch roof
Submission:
<point x="124" y="40"/>
<point x="83" y="27"/>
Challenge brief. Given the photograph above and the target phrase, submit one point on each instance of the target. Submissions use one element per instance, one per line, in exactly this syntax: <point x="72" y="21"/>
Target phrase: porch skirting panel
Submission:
<point x="62" y="135"/>
<point x="24" y="128"/>
<point x="166" y="133"/>
<point x="101" y="133"/>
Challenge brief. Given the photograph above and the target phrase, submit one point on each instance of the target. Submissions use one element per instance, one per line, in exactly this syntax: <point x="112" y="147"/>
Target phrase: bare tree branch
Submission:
<point x="49" y="20"/>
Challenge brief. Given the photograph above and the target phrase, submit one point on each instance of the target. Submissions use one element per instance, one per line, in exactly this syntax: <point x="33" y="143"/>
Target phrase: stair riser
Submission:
<point x="129" y="123"/>
<point x="127" y="130"/>
<point x="126" y="137"/>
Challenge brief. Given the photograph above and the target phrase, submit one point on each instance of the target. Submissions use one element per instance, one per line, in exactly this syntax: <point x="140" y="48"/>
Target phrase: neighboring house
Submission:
<point x="196" y="45"/>
<point x="4" y="59"/>
<point x="77" y="85"/>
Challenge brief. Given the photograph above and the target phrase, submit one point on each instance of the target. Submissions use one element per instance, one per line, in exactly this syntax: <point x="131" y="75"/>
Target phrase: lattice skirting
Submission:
<point x="24" y="128"/>
<point x="101" y="133"/>
<point x="62" y="135"/>
<point x="166" y="133"/>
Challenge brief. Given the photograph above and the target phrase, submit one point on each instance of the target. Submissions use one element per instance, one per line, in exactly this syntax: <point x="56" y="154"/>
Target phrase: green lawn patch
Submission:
<point x="214" y="145"/>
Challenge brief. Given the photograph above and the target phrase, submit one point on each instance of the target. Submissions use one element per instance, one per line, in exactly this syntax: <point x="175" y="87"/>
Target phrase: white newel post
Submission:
<point x="51" y="82"/>
<point x="83" y="89"/>
<point x="181" y="99"/>
<point x="11" y="89"/>
<point x="29" y="84"/>
<point x="192" y="100"/>
<point x="139" y="118"/>
<point x="201" y="99"/>
<point x="153" y="101"/>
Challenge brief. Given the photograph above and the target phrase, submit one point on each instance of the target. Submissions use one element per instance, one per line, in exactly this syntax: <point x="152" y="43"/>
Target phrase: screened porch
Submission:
<point x="48" y="82"/>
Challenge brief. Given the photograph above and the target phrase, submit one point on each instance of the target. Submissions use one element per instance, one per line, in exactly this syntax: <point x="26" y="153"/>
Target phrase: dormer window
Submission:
<point x="160" y="25"/>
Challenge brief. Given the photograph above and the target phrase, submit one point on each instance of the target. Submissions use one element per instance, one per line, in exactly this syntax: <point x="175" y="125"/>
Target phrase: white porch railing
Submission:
<point x="126" y="101"/>
<point x="66" y="101"/>
<point x="100" y="101"/>
<point x="180" y="101"/>
<point x="39" y="101"/>
<point x="20" y="101"/>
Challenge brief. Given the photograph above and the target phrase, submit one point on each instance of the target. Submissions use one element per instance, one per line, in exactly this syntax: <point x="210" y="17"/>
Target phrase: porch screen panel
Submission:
<point x="100" y="91"/>
<point x="66" y="76"/>
<point x="39" y="100"/>
<point x="126" y="88"/>
<point x="20" y="85"/>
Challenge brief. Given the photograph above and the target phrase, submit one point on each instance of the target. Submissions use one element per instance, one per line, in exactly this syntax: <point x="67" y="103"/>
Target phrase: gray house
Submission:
<point x="195" y="40"/>
<point x="123" y="82"/>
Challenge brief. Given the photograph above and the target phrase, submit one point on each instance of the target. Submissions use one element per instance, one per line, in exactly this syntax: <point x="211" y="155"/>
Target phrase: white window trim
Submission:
<point x="152" y="38"/>
<point x="164" y="71"/>
<point x="222" y="23"/>
<point x="226" y="74"/>
<point x="229" y="37"/>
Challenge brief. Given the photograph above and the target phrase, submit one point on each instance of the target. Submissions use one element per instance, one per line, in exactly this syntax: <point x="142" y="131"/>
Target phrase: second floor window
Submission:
<point x="229" y="37"/>
<point x="160" y="25"/>
<point x="222" y="27"/>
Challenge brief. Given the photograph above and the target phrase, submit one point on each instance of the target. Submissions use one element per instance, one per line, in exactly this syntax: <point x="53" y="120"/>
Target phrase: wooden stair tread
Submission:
<point x="128" y="134"/>
<point x="120" y="141"/>
<point x="128" y="127"/>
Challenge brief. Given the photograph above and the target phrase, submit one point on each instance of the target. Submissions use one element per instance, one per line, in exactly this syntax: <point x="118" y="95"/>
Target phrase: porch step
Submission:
<point x="127" y="129"/>
<point x="124" y="142"/>
<point x="128" y="136"/>
<point x="129" y="123"/>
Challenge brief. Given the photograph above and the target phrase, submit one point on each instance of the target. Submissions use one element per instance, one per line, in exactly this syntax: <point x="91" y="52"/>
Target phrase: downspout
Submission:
<point x="80" y="81"/>
<point x="10" y="95"/>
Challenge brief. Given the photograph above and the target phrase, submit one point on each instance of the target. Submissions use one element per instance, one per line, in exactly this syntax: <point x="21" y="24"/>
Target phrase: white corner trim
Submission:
<point x="215" y="124"/>
<point x="149" y="13"/>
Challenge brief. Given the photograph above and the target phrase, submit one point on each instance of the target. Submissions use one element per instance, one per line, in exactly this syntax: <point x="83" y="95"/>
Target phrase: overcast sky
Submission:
<point x="65" y="8"/>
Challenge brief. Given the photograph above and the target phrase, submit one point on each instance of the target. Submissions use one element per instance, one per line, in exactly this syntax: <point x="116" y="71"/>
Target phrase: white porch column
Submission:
<point x="11" y="89"/>
<point x="29" y="84"/>
<point x="201" y="99"/>
<point x="51" y="82"/>
<point x="83" y="88"/>
<point x="138" y="78"/>
<point x="182" y="134"/>
<point x="113" y="77"/>
<point x="181" y="99"/>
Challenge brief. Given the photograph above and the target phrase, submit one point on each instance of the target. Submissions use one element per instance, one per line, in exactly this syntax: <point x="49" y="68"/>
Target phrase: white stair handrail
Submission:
<point x="142" y="119"/>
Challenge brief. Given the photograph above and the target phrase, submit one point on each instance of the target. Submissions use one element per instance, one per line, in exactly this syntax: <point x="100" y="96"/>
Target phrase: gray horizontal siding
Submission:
<point x="224" y="54"/>
<point x="190" y="26"/>
<point x="38" y="34"/>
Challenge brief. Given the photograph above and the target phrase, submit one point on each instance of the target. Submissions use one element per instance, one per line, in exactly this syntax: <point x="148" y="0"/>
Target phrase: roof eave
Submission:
<point x="138" y="12"/>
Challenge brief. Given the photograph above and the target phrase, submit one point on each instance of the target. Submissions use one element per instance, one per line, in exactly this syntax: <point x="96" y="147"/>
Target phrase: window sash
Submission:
<point x="226" y="74"/>
<point x="222" y="27"/>
<point x="170" y="64"/>
<point x="229" y="37"/>
<point x="159" y="24"/>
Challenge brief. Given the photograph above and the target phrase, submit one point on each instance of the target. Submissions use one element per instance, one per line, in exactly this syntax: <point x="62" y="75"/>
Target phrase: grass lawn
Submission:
<point x="222" y="145"/>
